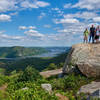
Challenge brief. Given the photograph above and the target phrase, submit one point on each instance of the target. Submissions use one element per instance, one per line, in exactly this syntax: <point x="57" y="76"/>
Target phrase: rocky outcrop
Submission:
<point x="91" y="90"/>
<point x="86" y="57"/>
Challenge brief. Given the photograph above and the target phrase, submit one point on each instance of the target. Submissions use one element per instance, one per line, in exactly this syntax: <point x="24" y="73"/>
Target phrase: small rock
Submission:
<point x="26" y="88"/>
<point x="47" y="87"/>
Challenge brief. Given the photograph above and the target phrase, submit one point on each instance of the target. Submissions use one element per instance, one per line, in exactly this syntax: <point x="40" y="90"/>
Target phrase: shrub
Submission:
<point x="30" y="74"/>
<point x="51" y="66"/>
<point x="33" y="92"/>
<point x="3" y="79"/>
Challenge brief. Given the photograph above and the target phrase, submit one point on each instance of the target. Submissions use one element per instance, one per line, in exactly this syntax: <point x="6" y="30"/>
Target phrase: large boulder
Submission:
<point x="85" y="57"/>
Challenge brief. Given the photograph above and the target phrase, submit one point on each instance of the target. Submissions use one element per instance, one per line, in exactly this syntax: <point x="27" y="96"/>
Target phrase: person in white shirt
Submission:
<point x="97" y="34"/>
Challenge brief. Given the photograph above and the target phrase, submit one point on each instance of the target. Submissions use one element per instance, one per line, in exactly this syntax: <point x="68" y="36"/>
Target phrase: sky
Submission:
<point x="46" y="22"/>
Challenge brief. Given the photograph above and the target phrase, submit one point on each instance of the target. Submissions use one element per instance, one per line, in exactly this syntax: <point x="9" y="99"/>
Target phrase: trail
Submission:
<point x="49" y="73"/>
<point x="3" y="87"/>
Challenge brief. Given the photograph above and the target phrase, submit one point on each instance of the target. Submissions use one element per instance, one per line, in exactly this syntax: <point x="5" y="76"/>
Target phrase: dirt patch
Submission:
<point x="3" y="87"/>
<point x="61" y="97"/>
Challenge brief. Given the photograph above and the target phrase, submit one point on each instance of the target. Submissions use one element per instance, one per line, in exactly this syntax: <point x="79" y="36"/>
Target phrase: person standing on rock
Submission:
<point x="86" y="33"/>
<point x="97" y="34"/>
<point x="92" y="33"/>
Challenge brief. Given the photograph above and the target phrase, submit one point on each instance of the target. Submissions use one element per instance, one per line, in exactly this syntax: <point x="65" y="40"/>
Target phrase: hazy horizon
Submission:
<point x="37" y="46"/>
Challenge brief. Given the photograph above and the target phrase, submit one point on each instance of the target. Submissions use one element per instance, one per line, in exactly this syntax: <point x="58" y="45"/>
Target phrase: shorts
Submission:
<point x="97" y="37"/>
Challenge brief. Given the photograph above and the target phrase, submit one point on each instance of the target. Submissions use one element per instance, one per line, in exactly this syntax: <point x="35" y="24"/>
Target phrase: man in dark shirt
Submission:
<point x="92" y="34"/>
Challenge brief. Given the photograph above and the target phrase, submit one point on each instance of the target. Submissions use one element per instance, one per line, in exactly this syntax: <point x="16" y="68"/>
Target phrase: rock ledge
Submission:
<point x="86" y="57"/>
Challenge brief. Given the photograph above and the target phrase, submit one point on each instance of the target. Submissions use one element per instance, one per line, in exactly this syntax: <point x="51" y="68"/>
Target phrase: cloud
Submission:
<point x="96" y="19"/>
<point x="27" y="4"/>
<point x="14" y="13"/>
<point x="32" y="27"/>
<point x="4" y="17"/>
<point x="93" y="23"/>
<point x="66" y="21"/>
<point x="41" y="15"/>
<point x="72" y="20"/>
<point x="58" y="11"/>
<point x="83" y="15"/>
<point x="55" y="9"/>
<point x="7" y="5"/>
<point x="22" y="27"/>
<point x="42" y="4"/>
<point x="47" y="26"/>
<point x="68" y="5"/>
<point x="88" y="4"/>
<point x="4" y="36"/>
<point x="63" y="31"/>
<point x="11" y="5"/>
<point x="33" y="33"/>
<point x="27" y="27"/>
<point x="1" y="32"/>
<point x="33" y="4"/>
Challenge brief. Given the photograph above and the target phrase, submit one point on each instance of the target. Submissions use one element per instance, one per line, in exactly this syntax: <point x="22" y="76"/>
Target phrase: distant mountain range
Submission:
<point x="18" y="51"/>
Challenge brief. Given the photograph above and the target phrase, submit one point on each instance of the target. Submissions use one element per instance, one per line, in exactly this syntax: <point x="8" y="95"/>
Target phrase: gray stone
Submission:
<point x="95" y="95"/>
<point x="26" y="88"/>
<point x="47" y="87"/>
<point x="91" y="90"/>
<point x="87" y="59"/>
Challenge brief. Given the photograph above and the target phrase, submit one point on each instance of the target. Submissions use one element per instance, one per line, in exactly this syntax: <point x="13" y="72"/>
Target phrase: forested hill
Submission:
<point x="18" y="51"/>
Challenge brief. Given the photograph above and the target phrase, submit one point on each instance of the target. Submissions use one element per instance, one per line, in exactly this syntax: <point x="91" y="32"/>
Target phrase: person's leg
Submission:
<point x="90" y="38"/>
<point x="93" y="38"/>
<point x="98" y="39"/>
<point x="86" y="39"/>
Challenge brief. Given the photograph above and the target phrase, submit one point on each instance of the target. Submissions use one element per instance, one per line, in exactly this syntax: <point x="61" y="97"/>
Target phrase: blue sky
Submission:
<point x="46" y="22"/>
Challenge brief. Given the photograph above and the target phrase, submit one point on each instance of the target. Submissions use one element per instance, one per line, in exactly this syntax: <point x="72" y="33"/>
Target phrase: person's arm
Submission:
<point x="99" y="32"/>
<point x="83" y="33"/>
<point x="95" y="32"/>
<point x="88" y="33"/>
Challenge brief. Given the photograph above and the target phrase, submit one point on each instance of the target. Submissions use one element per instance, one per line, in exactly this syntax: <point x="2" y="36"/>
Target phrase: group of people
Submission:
<point x="93" y="34"/>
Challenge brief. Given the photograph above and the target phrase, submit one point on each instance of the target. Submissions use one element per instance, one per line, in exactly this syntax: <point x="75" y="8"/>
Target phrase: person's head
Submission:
<point x="92" y="25"/>
<point x="86" y="29"/>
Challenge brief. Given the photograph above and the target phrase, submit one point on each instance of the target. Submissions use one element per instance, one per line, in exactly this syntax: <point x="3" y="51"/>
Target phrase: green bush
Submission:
<point x="30" y="74"/>
<point x="69" y="82"/>
<point x="51" y="66"/>
<point x="2" y="71"/>
<point x="33" y="92"/>
<point x="3" y="79"/>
